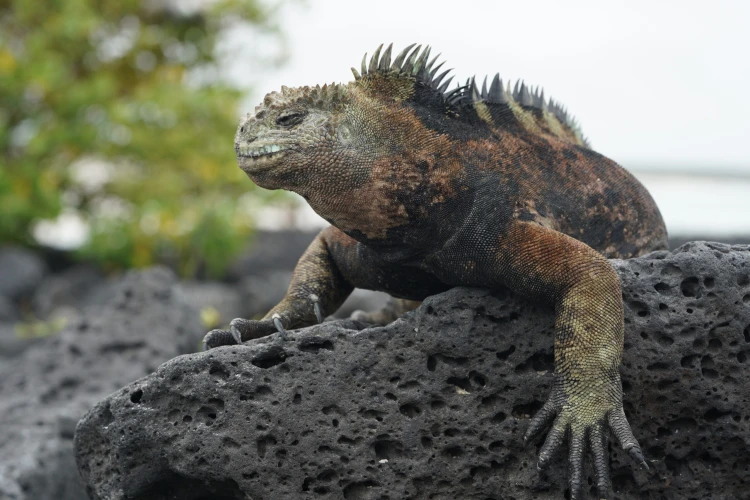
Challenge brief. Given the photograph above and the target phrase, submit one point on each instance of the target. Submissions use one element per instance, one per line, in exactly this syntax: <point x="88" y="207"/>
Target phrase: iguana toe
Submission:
<point x="621" y="428"/>
<point x="217" y="338"/>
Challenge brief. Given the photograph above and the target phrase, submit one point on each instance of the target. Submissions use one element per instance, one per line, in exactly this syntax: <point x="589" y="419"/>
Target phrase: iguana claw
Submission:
<point x="316" y="305"/>
<point x="279" y="326"/>
<point x="235" y="333"/>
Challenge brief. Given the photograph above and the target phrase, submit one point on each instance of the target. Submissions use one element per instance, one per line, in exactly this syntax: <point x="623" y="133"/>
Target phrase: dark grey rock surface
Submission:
<point x="435" y="405"/>
<point x="67" y="293"/>
<point x="22" y="271"/>
<point x="50" y="386"/>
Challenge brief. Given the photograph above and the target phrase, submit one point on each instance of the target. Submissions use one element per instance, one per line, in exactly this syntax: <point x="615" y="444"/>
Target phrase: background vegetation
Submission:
<point x="111" y="113"/>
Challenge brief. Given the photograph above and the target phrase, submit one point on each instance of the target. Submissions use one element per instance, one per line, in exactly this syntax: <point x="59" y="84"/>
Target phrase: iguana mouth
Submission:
<point x="258" y="151"/>
<point x="254" y="158"/>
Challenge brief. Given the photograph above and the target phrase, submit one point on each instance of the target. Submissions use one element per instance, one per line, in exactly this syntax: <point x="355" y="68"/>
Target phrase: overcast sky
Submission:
<point x="653" y="83"/>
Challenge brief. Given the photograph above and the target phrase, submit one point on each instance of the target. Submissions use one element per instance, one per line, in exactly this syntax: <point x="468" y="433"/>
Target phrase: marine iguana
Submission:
<point x="427" y="188"/>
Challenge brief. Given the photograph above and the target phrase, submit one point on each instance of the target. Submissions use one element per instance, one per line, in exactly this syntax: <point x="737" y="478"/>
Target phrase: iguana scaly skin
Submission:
<point x="428" y="189"/>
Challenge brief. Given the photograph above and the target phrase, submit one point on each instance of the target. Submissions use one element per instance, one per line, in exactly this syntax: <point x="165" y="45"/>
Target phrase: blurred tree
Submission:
<point x="112" y="112"/>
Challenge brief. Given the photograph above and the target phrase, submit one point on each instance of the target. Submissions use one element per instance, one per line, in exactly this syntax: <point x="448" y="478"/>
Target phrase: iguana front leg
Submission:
<point x="317" y="287"/>
<point x="544" y="264"/>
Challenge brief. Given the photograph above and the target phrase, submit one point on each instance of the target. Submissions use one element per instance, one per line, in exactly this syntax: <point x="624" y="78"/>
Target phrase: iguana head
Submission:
<point x="292" y="132"/>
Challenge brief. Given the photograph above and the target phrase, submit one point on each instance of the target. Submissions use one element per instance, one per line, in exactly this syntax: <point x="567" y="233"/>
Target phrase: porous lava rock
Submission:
<point x="50" y="386"/>
<point x="435" y="404"/>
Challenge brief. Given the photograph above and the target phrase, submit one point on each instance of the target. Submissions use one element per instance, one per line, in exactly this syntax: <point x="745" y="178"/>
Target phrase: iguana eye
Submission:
<point x="290" y="118"/>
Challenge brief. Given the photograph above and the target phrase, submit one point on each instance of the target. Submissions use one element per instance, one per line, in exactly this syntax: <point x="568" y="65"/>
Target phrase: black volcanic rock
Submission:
<point x="46" y="390"/>
<point x="22" y="271"/>
<point x="435" y="405"/>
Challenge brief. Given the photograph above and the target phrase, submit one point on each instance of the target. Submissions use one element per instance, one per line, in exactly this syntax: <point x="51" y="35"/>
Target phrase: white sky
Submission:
<point x="653" y="83"/>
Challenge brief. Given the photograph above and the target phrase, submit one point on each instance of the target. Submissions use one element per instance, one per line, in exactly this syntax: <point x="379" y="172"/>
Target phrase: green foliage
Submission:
<point x="110" y="110"/>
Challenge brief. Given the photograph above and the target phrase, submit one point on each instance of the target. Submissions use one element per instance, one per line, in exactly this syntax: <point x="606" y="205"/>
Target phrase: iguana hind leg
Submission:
<point x="393" y="309"/>
<point x="317" y="287"/>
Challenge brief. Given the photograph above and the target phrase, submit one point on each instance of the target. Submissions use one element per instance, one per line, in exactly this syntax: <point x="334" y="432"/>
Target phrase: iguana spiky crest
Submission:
<point x="411" y="71"/>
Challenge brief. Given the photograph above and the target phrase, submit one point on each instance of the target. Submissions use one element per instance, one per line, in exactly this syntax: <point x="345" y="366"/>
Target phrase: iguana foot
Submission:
<point x="241" y="330"/>
<point x="584" y="425"/>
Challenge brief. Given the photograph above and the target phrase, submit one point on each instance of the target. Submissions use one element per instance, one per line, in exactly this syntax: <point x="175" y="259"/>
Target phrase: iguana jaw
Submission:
<point x="257" y="157"/>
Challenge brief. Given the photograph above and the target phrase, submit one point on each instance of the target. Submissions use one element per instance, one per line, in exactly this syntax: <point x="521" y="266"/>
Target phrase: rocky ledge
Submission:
<point x="435" y="405"/>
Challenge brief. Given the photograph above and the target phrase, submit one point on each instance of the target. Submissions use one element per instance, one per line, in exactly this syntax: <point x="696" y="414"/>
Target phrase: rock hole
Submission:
<point x="684" y="424"/>
<point x="327" y="476"/>
<point x="709" y="282"/>
<point x="426" y="442"/>
<point x="263" y="390"/>
<point x="640" y="308"/>
<point x="136" y="396"/>
<point x="526" y="410"/>
<point x="460" y="382"/>
<point x="228" y="442"/>
<point x="218" y="371"/>
<point x="664" y="340"/>
<point x="208" y="414"/>
<point x="707" y="368"/>
<point x="315" y="344"/>
<point x="450" y="360"/>
<point x="263" y="443"/>
<point x="410" y="410"/>
<point x="387" y="449"/>
<point x="499" y="418"/>
<point x="497" y="446"/>
<point x="671" y="270"/>
<point x="503" y="355"/>
<point x="478" y="379"/>
<point x="689" y="361"/>
<point x="743" y="280"/>
<point x="270" y="358"/>
<point x="662" y="287"/>
<point x="714" y="414"/>
<point x="690" y="286"/>
<point x="360" y="490"/>
<point x="327" y="410"/>
<point x="431" y="363"/>
<point x="539" y="362"/>
<point x="454" y="451"/>
<point x="347" y="441"/>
